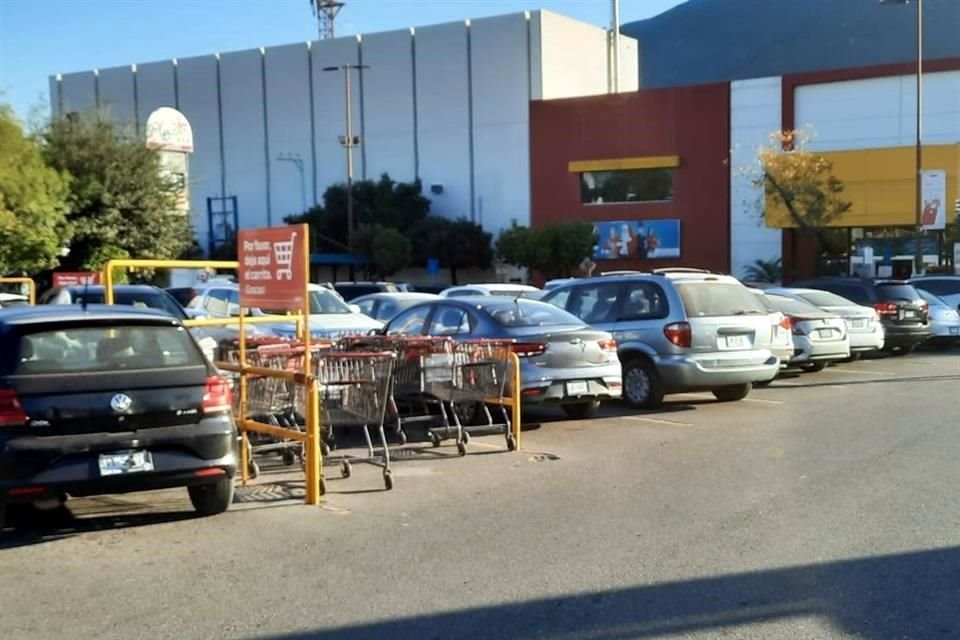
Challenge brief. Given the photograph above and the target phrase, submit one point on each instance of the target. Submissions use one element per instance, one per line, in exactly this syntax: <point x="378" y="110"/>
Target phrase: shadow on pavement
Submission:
<point x="843" y="383"/>
<point x="908" y="595"/>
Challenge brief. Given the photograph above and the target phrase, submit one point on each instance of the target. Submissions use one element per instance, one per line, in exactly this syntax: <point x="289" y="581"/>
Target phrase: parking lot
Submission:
<point x="821" y="506"/>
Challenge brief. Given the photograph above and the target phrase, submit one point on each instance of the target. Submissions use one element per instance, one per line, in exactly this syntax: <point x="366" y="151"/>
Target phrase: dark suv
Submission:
<point x="903" y="312"/>
<point x="98" y="399"/>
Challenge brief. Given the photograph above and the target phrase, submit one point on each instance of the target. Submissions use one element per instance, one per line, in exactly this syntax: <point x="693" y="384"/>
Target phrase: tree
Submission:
<point x="801" y="183"/>
<point x="33" y="202"/>
<point x="457" y="244"/>
<point x="387" y="250"/>
<point x="765" y="271"/>
<point x="554" y="250"/>
<point x="120" y="202"/>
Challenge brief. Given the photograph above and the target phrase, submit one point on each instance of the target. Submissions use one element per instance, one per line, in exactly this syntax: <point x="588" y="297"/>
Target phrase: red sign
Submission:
<point x="274" y="267"/>
<point x="75" y="278"/>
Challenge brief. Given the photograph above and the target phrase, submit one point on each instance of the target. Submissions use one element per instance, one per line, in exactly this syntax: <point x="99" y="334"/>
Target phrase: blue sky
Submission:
<point x="39" y="38"/>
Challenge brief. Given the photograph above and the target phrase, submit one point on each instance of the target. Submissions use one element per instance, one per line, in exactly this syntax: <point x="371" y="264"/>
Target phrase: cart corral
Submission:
<point x="295" y="398"/>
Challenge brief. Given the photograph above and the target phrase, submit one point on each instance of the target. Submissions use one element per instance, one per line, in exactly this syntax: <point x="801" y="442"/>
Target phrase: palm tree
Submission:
<point x="765" y="271"/>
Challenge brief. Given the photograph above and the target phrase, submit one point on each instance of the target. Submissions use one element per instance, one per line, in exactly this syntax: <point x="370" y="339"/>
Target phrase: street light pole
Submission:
<point x="349" y="141"/>
<point x="918" y="249"/>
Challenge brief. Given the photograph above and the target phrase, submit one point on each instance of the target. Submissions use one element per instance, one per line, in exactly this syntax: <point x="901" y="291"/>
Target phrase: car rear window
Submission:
<point x="527" y="313"/>
<point x="105" y="348"/>
<point x="896" y="291"/>
<point x="793" y="307"/>
<point x="714" y="299"/>
<point x="826" y="299"/>
<point x="159" y="301"/>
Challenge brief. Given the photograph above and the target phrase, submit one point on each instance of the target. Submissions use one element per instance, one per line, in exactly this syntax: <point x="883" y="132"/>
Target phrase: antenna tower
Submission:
<point x="326" y="12"/>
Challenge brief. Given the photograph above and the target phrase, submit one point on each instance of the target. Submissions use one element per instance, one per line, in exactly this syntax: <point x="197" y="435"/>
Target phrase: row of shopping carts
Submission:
<point x="440" y="388"/>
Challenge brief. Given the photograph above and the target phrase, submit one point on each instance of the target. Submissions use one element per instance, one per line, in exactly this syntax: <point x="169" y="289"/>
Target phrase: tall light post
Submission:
<point x="349" y="141"/>
<point x="297" y="161"/>
<point x="918" y="153"/>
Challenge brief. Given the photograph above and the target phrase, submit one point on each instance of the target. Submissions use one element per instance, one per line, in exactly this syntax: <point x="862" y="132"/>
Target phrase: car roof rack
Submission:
<point x="686" y="270"/>
<point x="624" y="272"/>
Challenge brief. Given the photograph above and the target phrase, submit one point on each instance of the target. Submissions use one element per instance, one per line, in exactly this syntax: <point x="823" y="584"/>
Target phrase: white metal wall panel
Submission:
<point x="244" y="136"/>
<point x="198" y="102"/>
<point x="501" y="121"/>
<point x="330" y="110"/>
<point x="442" y="105"/>
<point x="754" y="114"/>
<point x="79" y="93"/>
<point x="154" y="88"/>
<point x="880" y="112"/>
<point x="574" y="57"/>
<point x="116" y="95"/>
<point x="288" y="126"/>
<point x="388" y="105"/>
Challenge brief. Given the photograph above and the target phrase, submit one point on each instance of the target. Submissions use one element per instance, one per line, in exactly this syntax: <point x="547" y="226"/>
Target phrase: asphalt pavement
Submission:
<point x="823" y="506"/>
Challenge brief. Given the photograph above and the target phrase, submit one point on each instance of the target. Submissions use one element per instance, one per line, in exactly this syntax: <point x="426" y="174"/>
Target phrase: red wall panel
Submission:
<point x="690" y="122"/>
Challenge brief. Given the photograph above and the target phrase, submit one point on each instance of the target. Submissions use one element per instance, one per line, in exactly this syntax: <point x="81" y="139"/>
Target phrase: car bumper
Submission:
<point x="33" y="467"/>
<point x="812" y="351"/>
<point x="783" y="353"/>
<point x="574" y="390"/>
<point x="910" y="336"/>
<point x="945" y="331"/>
<point x="862" y="341"/>
<point x="709" y="371"/>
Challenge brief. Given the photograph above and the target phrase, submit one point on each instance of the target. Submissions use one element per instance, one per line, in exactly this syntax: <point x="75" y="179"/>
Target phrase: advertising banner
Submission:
<point x="636" y="239"/>
<point x="75" y="278"/>
<point x="274" y="267"/>
<point x="933" y="190"/>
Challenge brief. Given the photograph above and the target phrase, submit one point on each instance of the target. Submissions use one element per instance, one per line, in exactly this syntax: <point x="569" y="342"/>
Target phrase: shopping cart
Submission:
<point x="355" y="388"/>
<point x="481" y="371"/>
<point x="283" y="252"/>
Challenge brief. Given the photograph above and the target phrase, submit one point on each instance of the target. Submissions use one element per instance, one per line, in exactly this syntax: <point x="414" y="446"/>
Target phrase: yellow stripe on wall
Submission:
<point x="880" y="185"/>
<point x="614" y="164"/>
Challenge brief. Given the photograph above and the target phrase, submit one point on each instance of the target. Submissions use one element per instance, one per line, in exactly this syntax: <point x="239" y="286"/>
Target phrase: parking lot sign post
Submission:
<point x="274" y="273"/>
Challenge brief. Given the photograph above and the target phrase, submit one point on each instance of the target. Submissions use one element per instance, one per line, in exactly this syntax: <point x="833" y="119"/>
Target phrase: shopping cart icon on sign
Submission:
<point x="283" y="251"/>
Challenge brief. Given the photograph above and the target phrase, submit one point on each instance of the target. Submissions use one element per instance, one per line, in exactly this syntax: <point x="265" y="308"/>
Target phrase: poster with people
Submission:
<point x="636" y="239"/>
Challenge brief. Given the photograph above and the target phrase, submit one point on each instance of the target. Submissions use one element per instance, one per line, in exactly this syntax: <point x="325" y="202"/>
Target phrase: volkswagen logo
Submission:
<point x="121" y="403"/>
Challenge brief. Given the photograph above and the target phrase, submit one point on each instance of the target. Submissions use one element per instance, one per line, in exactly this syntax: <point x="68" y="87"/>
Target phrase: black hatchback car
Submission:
<point x="903" y="312"/>
<point x="110" y="399"/>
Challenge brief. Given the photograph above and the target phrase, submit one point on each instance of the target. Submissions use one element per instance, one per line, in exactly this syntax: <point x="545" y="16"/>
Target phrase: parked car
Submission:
<point x="350" y="290"/>
<point x="562" y="360"/>
<point x="110" y="399"/>
<point x="902" y="311"/>
<point x="819" y="337"/>
<point x="863" y="323"/>
<point x="781" y="336"/>
<point x="677" y="332"/>
<point x="944" y="321"/>
<point x="944" y="286"/>
<point x="330" y="316"/>
<point x="143" y="296"/>
<point x="507" y="289"/>
<point x="10" y="300"/>
<point x="427" y="287"/>
<point x="383" y="306"/>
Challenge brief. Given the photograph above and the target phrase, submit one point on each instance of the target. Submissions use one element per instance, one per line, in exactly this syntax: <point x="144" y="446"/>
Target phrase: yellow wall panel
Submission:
<point x="880" y="185"/>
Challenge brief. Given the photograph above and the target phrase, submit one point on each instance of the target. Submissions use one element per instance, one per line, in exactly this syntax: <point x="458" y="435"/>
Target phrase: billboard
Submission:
<point x="636" y="239"/>
<point x="75" y="278"/>
<point x="933" y="188"/>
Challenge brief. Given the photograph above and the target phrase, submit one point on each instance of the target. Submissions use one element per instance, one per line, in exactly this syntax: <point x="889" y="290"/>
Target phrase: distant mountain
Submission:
<point x="703" y="41"/>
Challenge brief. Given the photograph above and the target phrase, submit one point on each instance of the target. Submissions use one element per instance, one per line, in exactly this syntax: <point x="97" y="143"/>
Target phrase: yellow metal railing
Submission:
<point x="31" y="286"/>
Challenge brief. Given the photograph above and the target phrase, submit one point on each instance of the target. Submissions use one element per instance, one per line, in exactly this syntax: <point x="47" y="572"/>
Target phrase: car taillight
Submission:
<point x="607" y="344"/>
<point x="217" y="397"/>
<point x="797" y="329"/>
<point x="679" y="333"/>
<point x="786" y="322"/>
<point x="11" y="412"/>
<point x="886" y="308"/>
<point x="528" y="349"/>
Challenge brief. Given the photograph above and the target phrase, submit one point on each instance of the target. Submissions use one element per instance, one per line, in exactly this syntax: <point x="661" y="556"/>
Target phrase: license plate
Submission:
<point x="908" y="313"/>
<point x="122" y="462"/>
<point x="825" y="333"/>
<point x="955" y="331"/>
<point x="858" y="324"/>
<point x="736" y="342"/>
<point x="577" y="388"/>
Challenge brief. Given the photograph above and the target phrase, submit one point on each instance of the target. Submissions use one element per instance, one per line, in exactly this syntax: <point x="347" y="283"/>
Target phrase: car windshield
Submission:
<point x="897" y="291"/>
<point x="142" y="300"/>
<point x="715" y="299"/>
<point x="793" y="307"/>
<point x="527" y="313"/>
<point x="322" y="302"/>
<point x="825" y="299"/>
<point x="105" y="348"/>
<point x="764" y="301"/>
<point x="931" y="299"/>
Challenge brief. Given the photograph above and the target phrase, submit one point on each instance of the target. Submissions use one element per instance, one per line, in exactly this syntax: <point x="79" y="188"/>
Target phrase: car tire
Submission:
<point x="642" y="388"/>
<point x="470" y="414"/>
<point x="733" y="392"/>
<point x="854" y="356"/>
<point x="813" y="367"/>
<point x="904" y="351"/>
<point x="211" y="499"/>
<point x="764" y="383"/>
<point x="581" y="410"/>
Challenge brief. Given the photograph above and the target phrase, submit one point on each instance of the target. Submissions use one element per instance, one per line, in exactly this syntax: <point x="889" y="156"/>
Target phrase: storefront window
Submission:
<point x="626" y="185"/>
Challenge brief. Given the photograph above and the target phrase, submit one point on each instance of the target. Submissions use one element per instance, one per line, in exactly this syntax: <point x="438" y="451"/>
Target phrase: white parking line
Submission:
<point x="760" y="401"/>
<point x="854" y="372"/>
<point x="673" y="423"/>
